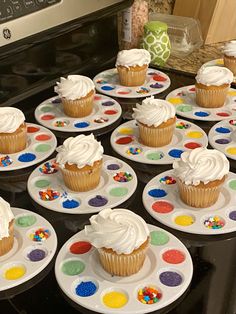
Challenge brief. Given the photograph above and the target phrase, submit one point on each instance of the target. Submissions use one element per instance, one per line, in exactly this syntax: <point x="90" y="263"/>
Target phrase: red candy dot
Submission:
<point x="173" y="257"/>
<point x="223" y="114"/>
<point x="32" y="129"/>
<point x="123" y="92"/>
<point x="48" y="117"/>
<point x="162" y="207"/>
<point x="124" y="140"/>
<point x="80" y="247"/>
<point x="192" y="145"/>
<point x="43" y="137"/>
<point x="97" y="97"/>
<point x="110" y="112"/>
<point x="159" y="78"/>
<point x="192" y="89"/>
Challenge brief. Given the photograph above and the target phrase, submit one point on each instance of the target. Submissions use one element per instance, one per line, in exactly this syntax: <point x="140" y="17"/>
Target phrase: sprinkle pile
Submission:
<point x="39" y="235"/>
<point x="49" y="168"/>
<point x="182" y="125"/>
<point x="60" y="124"/>
<point x="101" y="120"/>
<point x="149" y="295"/>
<point x="168" y="180"/>
<point x="134" y="151"/>
<point x="143" y="90"/>
<point x="232" y="122"/>
<point x="48" y="195"/>
<point x="214" y="222"/>
<point x="5" y="161"/>
<point x="86" y="289"/>
<point x="123" y="177"/>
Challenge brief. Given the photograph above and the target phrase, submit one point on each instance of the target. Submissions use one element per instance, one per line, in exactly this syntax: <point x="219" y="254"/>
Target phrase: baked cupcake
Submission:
<point x="212" y="85"/>
<point x="156" y="121"/>
<point x="80" y="161"/>
<point x="13" y="130"/>
<point x="200" y="174"/>
<point x="132" y="66"/>
<point x="77" y="95"/>
<point x="122" y="239"/>
<point x="6" y="227"/>
<point x="229" y="51"/>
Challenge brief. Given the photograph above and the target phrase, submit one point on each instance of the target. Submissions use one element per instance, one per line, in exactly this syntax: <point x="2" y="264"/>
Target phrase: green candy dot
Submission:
<point x="25" y="221"/>
<point x="232" y="184"/>
<point x="155" y="156"/>
<point x="46" y="109"/>
<point x="185" y="108"/>
<point x="118" y="191"/>
<point x="72" y="268"/>
<point x="42" y="148"/>
<point x="159" y="237"/>
<point x="42" y="183"/>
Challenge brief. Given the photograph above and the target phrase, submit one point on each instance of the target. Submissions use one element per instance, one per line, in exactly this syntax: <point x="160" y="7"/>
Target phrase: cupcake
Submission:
<point x="132" y="66"/>
<point x="80" y="161"/>
<point x="212" y="84"/>
<point x="156" y="121"/>
<point x="229" y="51"/>
<point x="77" y="94"/>
<point x="200" y="174"/>
<point x="6" y="227"/>
<point x="122" y="239"/>
<point x="13" y="131"/>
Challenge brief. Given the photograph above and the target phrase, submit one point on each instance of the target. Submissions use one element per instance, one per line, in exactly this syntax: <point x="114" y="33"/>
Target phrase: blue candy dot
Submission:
<point x="86" y="289"/>
<point x="81" y="125"/>
<point x="201" y="114"/>
<point x="27" y="157"/>
<point x="176" y="153"/>
<point x="107" y="87"/>
<point x="157" y="193"/>
<point x="70" y="204"/>
<point x="222" y="130"/>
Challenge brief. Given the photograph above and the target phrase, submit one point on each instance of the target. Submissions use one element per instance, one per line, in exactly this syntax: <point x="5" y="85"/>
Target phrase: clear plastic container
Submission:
<point x="184" y="33"/>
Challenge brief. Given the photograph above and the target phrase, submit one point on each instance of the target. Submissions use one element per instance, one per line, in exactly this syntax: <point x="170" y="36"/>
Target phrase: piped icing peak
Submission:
<point x="10" y="119"/>
<point x="6" y="217"/>
<point x="81" y="150"/>
<point x="153" y="112"/>
<point x="133" y="57"/>
<point x="118" y="229"/>
<point x="229" y="48"/>
<point x="214" y="76"/>
<point x="201" y="165"/>
<point x="74" y="87"/>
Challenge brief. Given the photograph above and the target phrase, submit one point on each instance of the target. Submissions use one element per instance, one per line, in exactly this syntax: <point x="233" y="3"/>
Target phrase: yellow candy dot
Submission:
<point x="127" y="131"/>
<point x="195" y="134"/>
<point x="14" y="273"/>
<point x="231" y="150"/>
<point x="219" y="62"/>
<point x="232" y="93"/>
<point x="115" y="299"/>
<point x="175" y="100"/>
<point x="184" y="220"/>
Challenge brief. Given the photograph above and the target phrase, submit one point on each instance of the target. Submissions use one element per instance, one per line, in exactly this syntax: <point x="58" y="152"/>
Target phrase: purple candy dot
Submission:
<point x="36" y="255"/>
<point x="113" y="167"/>
<point x="232" y="215"/>
<point x="170" y="279"/>
<point x="98" y="201"/>
<point x="156" y="85"/>
<point x="222" y="141"/>
<point x="108" y="103"/>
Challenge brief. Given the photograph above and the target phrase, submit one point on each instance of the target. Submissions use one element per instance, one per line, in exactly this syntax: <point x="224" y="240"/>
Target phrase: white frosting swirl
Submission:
<point x="153" y="111"/>
<point x="6" y="217"/>
<point x="81" y="150"/>
<point x="229" y="48"/>
<point x="119" y="229"/>
<point x="10" y="119"/>
<point x="214" y="75"/>
<point x="133" y="57"/>
<point x="74" y="87"/>
<point x="201" y="165"/>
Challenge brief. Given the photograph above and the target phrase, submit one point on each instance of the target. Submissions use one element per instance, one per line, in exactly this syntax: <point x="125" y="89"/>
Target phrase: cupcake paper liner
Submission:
<point x="80" y="107"/>
<point x="11" y="143"/>
<point x="6" y="243"/>
<point x="230" y="63"/>
<point x="128" y="77"/>
<point x="211" y="98"/>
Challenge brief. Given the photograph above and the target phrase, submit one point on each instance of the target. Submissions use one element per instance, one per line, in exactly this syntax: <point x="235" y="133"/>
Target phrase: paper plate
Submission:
<point x="124" y="140"/>
<point x="184" y="100"/>
<point x="167" y="268"/>
<point x="118" y="182"/>
<point x="50" y="114"/>
<point x="107" y="82"/>
<point x="161" y="199"/>
<point x="218" y="62"/>
<point x="222" y="136"/>
<point x="41" y="143"/>
<point x="30" y="253"/>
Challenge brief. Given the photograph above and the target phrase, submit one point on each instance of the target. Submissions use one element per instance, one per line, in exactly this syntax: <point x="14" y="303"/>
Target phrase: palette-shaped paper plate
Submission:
<point x="107" y="82"/>
<point x="161" y="199"/>
<point x="50" y="113"/>
<point x="125" y="141"/>
<point x="218" y="62"/>
<point x="35" y="244"/>
<point x="184" y="100"/>
<point x="166" y="274"/>
<point x="117" y="184"/>
<point x="41" y="143"/>
<point x="222" y="136"/>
